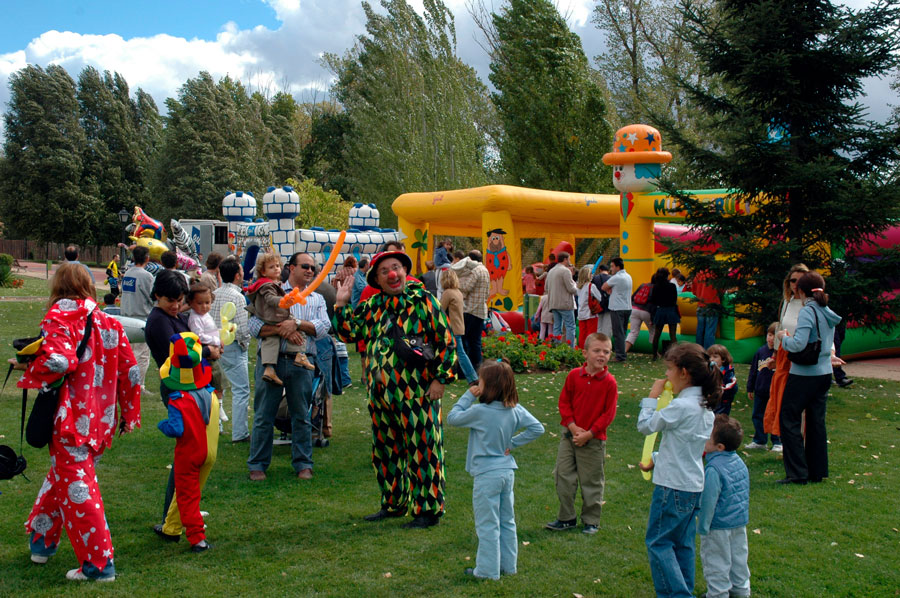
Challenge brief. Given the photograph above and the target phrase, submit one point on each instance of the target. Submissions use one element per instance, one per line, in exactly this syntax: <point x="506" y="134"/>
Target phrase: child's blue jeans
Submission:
<point x="495" y="523"/>
<point x="670" y="541"/>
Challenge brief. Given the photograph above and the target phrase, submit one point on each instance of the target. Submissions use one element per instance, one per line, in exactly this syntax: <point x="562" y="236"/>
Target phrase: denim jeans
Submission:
<point x="495" y="523"/>
<point x="723" y="553"/>
<point x="234" y="364"/>
<point x="464" y="364"/>
<point x="474" y="328"/>
<point x="707" y="321"/>
<point x="344" y="362"/>
<point x="670" y="541"/>
<point x="298" y="392"/>
<point x="564" y="318"/>
<point x="759" y="413"/>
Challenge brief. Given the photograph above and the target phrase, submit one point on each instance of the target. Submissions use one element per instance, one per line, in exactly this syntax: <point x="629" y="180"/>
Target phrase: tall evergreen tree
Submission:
<point x="324" y="157"/>
<point x="215" y="141"/>
<point x="788" y="136"/>
<point x="41" y="176"/>
<point x="416" y="112"/>
<point x="552" y="110"/>
<point x="115" y="170"/>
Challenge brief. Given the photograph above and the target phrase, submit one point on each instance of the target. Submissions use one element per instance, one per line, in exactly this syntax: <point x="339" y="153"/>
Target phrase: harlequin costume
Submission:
<point x="91" y="390"/>
<point x="194" y="421"/>
<point x="407" y="447"/>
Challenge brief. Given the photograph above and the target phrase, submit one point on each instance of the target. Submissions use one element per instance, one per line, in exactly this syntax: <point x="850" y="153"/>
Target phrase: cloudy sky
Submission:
<point x="272" y="44"/>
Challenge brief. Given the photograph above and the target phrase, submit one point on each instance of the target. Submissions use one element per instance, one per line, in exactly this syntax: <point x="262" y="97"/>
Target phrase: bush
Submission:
<point x="527" y="352"/>
<point x="6" y="260"/>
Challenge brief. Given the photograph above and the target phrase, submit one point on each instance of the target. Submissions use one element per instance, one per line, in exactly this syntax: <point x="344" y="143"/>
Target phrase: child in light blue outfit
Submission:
<point x="678" y="476"/>
<point x="725" y="513"/>
<point x="493" y="423"/>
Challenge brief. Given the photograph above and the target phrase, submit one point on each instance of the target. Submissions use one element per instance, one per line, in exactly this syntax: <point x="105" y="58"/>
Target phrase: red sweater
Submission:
<point x="589" y="401"/>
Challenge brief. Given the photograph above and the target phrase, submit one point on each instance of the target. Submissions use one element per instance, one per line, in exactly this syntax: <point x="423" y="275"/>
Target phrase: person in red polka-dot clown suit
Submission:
<point x="97" y="394"/>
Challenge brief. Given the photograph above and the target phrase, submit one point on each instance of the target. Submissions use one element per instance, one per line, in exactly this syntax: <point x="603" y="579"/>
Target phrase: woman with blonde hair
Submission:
<point x="587" y="322"/>
<point x="452" y="305"/>
<point x="85" y="354"/>
<point x="788" y="314"/>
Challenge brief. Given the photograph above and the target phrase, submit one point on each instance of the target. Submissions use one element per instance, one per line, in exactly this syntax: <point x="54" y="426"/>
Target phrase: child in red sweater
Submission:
<point x="587" y="406"/>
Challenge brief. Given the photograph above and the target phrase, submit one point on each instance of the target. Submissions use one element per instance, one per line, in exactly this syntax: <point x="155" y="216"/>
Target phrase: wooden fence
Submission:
<point x="41" y="252"/>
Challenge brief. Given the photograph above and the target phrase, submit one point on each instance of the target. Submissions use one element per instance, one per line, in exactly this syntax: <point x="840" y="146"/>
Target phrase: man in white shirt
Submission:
<point x="619" y="288"/>
<point x="311" y="318"/>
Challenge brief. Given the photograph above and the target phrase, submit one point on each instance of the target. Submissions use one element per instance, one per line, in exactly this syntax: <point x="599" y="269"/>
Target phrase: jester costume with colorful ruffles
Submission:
<point x="407" y="449"/>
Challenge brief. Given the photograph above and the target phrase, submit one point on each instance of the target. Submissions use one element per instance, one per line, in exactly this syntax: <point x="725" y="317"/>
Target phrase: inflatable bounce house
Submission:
<point x="502" y="216"/>
<point x="281" y="205"/>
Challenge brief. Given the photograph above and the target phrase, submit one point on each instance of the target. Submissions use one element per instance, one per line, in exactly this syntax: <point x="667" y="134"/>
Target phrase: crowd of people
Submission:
<point x="414" y="338"/>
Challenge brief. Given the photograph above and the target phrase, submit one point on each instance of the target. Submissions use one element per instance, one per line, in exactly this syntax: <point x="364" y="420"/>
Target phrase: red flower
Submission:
<point x="525" y="363"/>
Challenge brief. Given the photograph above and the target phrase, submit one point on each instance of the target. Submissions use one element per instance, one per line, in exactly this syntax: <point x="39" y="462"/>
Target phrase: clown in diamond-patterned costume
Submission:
<point x="407" y="450"/>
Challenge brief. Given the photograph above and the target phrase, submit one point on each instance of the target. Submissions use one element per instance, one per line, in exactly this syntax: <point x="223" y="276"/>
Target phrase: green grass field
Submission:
<point x="285" y="537"/>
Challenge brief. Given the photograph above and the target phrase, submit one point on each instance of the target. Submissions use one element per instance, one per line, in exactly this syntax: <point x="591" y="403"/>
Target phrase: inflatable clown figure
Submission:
<point x="637" y="160"/>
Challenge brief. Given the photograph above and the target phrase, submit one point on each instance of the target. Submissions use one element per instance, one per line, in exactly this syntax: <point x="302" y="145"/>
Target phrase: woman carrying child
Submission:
<point x="493" y="424"/>
<point x="686" y="424"/>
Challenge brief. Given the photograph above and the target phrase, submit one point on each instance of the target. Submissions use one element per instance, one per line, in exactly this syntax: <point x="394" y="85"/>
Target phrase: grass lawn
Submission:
<point x="32" y="287"/>
<point x="285" y="537"/>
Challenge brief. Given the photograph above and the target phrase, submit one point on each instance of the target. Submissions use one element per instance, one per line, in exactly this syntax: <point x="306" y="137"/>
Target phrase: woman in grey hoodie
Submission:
<point x="807" y="385"/>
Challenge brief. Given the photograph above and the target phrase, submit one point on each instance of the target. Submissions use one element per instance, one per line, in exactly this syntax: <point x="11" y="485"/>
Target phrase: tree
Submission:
<point x="787" y="135"/>
<point x="641" y="64"/>
<point x="325" y="156"/>
<point x="319" y="207"/>
<point x="552" y="109"/>
<point x="42" y="165"/>
<point x="415" y="110"/>
<point x="215" y="141"/>
<point x="115" y="167"/>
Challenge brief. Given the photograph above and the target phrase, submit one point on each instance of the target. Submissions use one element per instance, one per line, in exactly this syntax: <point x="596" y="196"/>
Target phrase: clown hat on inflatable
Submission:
<point x="637" y="144"/>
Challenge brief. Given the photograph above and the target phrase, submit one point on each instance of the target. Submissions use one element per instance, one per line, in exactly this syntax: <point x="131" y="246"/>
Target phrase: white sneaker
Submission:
<point x="754" y="445"/>
<point x="777" y="448"/>
<point x="77" y="575"/>
<point x="39" y="558"/>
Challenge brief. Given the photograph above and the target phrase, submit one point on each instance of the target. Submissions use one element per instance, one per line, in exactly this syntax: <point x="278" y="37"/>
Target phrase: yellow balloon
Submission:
<point x="664" y="399"/>
<point x="226" y="333"/>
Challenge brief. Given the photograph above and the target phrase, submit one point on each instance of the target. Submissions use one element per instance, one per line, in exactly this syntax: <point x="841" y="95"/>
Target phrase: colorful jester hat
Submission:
<point x="185" y="368"/>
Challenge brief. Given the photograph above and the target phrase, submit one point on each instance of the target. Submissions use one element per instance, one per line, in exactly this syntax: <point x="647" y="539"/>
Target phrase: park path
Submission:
<point x="884" y="369"/>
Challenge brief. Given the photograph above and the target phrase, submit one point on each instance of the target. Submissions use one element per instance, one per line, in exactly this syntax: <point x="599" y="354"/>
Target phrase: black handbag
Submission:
<point x="39" y="429"/>
<point x="808" y="355"/>
<point x="412" y="348"/>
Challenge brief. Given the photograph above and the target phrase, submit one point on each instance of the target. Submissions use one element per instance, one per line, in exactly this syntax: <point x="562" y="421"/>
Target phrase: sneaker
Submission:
<point x="305" y="474"/>
<point x="78" y="575"/>
<point x="844" y="382"/>
<point x="257" y="475"/>
<point x="559" y="526"/>
<point x="40" y="559"/>
<point x="201" y="546"/>
<point x="754" y="445"/>
<point x="590" y="529"/>
<point x="777" y="448"/>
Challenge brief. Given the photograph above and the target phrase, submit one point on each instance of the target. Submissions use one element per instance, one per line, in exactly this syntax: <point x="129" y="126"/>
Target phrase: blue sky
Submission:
<point x="24" y="20"/>
<point x="270" y="45"/>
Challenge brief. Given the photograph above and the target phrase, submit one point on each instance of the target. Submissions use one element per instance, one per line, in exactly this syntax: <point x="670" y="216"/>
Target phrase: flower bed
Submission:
<point x="527" y="352"/>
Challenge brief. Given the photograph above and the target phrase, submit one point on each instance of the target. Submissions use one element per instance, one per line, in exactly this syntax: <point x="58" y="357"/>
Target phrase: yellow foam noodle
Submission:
<point x="664" y="399"/>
